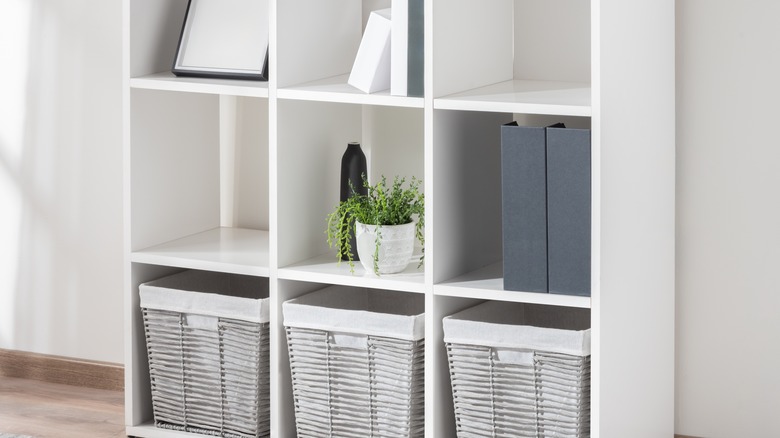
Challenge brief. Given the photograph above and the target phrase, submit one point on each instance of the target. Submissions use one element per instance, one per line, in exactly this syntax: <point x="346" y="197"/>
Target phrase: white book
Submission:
<point x="399" y="48"/>
<point x="371" y="70"/>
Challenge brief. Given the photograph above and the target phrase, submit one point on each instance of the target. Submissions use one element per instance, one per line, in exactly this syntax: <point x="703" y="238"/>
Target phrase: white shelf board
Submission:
<point x="524" y="97"/>
<point x="148" y="430"/>
<point x="167" y="81"/>
<point x="325" y="269"/>
<point x="232" y="250"/>
<point x="336" y="89"/>
<point x="488" y="284"/>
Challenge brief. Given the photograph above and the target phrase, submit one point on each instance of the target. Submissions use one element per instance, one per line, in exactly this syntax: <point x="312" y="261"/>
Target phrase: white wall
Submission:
<point x="60" y="206"/>
<point x="728" y="218"/>
<point x="61" y="178"/>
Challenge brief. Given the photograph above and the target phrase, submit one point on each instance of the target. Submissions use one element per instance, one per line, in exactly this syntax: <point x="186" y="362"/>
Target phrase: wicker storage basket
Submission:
<point x="357" y="362"/>
<point x="208" y="347"/>
<point x="520" y="370"/>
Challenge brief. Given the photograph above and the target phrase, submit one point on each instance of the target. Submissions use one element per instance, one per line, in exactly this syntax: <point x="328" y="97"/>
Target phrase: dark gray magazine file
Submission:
<point x="415" y="50"/>
<point x="524" y="215"/>
<point x="568" y="211"/>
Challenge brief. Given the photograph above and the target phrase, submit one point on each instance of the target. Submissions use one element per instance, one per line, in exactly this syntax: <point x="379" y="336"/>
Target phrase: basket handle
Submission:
<point x="513" y="356"/>
<point x="348" y="340"/>
<point x="201" y="321"/>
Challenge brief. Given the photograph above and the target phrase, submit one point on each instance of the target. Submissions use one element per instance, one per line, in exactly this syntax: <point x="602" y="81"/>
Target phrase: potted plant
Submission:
<point x="385" y="222"/>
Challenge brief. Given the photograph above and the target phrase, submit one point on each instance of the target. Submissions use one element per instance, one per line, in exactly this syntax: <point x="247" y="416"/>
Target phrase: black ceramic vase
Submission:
<point x="353" y="167"/>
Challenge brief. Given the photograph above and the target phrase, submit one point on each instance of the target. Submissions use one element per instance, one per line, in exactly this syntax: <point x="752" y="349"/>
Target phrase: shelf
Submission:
<point x="533" y="61"/>
<point x="524" y="97"/>
<point x="325" y="269"/>
<point x="167" y="81"/>
<point x="231" y="250"/>
<point x="336" y="89"/>
<point x="488" y="284"/>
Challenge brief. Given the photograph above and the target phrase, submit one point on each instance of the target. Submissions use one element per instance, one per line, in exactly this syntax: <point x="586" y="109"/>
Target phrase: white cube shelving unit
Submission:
<point x="238" y="176"/>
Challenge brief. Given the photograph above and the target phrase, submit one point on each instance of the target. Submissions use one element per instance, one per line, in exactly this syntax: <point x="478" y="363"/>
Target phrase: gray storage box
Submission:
<point x="524" y="208"/>
<point x="520" y="370"/>
<point x="546" y="209"/>
<point x="568" y="211"/>
<point x="357" y="358"/>
<point x="208" y="348"/>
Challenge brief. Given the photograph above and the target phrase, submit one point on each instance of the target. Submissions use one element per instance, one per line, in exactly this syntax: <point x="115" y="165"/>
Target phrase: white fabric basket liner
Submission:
<point x="211" y="294"/>
<point x="521" y="326"/>
<point x="369" y="312"/>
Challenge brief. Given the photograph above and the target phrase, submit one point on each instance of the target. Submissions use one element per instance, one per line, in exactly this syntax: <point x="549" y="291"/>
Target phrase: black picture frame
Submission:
<point x="226" y="39"/>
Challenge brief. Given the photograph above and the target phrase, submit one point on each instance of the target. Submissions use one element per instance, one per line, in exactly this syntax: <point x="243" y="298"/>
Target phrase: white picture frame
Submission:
<point x="224" y="39"/>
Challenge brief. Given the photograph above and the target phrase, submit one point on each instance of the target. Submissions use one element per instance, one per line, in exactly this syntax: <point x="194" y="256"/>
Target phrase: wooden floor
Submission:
<point x="50" y="410"/>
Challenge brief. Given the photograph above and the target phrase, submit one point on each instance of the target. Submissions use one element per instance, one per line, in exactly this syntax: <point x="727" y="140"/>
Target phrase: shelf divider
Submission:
<point x="325" y="269"/>
<point x="336" y="89"/>
<point x="231" y="250"/>
<point x="149" y="430"/>
<point x="487" y="283"/>
<point x="523" y="96"/>
<point x="167" y="81"/>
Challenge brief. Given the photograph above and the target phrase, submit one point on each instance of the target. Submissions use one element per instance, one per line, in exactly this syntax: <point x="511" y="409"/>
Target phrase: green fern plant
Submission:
<point x="383" y="205"/>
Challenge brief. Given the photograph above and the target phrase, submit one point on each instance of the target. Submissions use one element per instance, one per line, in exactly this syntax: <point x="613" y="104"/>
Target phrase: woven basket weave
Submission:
<point x="209" y="374"/>
<point x="348" y="381"/>
<point x="509" y="380"/>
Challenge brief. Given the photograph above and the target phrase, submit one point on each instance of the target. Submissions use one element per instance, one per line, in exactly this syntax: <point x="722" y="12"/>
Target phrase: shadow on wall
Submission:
<point x="61" y="178"/>
<point x="14" y="33"/>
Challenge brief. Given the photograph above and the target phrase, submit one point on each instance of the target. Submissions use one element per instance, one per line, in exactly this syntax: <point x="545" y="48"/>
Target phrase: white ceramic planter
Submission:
<point x="396" y="243"/>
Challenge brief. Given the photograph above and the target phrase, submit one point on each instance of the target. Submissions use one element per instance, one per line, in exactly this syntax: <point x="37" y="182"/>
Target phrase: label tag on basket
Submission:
<point x="349" y="340"/>
<point x="201" y="322"/>
<point x="519" y="357"/>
